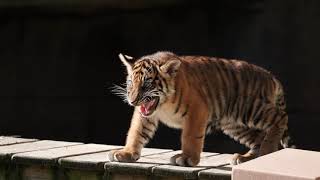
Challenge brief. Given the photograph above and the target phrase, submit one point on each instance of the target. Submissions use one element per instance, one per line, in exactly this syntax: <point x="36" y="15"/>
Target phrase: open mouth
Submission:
<point x="148" y="106"/>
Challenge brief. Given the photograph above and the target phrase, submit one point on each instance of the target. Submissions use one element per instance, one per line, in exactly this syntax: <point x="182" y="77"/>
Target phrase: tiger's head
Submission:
<point x="150" y="80"/>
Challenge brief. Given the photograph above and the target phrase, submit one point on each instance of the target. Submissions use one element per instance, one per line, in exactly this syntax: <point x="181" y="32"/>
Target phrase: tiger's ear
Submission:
<point x="127" y="61"/>
<point x="171" y="67"/>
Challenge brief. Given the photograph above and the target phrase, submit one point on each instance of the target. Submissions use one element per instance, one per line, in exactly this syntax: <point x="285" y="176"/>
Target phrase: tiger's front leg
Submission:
<point x="141" y="131"/>
<point x="192" y="138"/>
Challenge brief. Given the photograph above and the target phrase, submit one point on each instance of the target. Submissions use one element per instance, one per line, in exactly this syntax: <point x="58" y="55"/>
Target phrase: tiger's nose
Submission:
<point x="134" y="102"/>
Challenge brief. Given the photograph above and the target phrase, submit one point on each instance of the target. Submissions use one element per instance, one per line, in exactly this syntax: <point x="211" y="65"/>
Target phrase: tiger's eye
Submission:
<point x="129" y="83"/>
<point x="148" y="80"/>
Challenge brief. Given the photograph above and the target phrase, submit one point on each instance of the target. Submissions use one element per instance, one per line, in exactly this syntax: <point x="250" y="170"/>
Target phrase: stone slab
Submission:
<point x="7" y="151"/>
<point x="51" y="156"/>
<point x="94" y="161"/>
<point x="4" y="140"/>
<point x="146" y="164"/>
<point x="286" y="164"/>
<point x="142" y="166"/>
<point x="49" y="160"/>
<point x="192" y="172"/>
<point x="165" y="157"/>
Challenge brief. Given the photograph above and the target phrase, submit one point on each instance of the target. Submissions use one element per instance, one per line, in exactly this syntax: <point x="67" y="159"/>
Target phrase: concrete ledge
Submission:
<point x="51" y="160"/>
<point x="286" y="164"/>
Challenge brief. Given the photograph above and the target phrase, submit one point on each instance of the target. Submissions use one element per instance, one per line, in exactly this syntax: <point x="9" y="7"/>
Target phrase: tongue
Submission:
<point x="145" y="108"/>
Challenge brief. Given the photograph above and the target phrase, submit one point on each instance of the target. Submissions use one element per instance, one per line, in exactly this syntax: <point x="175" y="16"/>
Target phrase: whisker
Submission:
<point x="120" y="91"/>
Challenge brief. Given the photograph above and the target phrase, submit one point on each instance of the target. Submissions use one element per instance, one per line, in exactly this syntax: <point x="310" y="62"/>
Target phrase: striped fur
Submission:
<point x="202" y="94"/>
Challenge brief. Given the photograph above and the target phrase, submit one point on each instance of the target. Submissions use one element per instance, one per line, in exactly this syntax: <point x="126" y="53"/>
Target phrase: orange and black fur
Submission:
<point x="198" y="95"/>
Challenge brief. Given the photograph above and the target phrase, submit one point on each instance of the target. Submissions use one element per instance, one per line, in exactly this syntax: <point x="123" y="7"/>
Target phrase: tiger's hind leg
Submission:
<point x="249" y="137"/>
<point x="273" y="122"/>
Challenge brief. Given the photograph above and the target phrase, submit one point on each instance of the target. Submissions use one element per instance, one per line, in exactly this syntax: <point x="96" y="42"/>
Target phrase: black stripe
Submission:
<point x="195" y="75"/>
<point x="225" y="77"/>
<point x="243" y="109"/>
<point x="232" y="109"/>
<point x="141" y="142"/>
<point x="152" y="123"/>
<point x="243" y="135"/>
<point x="239" y="105"/>
<point x="224" y="87"/>
<point x="162" y="80"/>
<point x="271" y="121"/>
<point x="244" y="112"/>
<point x="179" y="102"/>
<point x="229" y="111"/>
<point x="263" y="113"/>
<point x="143" y="136"/>
<point x="249" y="110"/>
<point x="253" y="80"/>
<point x="216" y="94"/>
<point x="245" y="81"/>
<point x="256" y="84"/>
<point x="235" y="80"/>
<point x="143" y="65"/>
<point x="148" y="129"/>
<point x="283" y="115"/>
<point x="253" y="139"/>
<point x="159" y="83"/>
<point x="205" y="80"/>
<point x="186" y="111"/>
<point x="256" y="113"/>
<point x="147" y="135"/>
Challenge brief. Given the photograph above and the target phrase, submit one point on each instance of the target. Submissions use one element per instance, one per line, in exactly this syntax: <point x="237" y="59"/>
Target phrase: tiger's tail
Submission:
<point x="286" y="141"/>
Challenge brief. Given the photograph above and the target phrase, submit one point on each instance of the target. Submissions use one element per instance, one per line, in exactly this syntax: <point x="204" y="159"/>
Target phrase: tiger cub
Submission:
<point x="198" y="95"/>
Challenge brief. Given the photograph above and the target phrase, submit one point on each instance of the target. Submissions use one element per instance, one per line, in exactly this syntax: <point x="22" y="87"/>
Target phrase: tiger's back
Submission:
<point x="223" y="83"/>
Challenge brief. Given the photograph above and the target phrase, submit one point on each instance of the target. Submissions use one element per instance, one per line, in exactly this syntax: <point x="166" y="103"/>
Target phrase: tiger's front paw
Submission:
<point x="184" y="160"/>
<point x="123" y="156"/>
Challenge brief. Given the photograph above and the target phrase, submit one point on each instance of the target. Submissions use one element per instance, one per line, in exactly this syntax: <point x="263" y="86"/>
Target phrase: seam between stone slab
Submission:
<point x="57" y="159"/>
<point x="49" y="162"/>
<point x="123" y="167"/>
<point x="169" y="150"/>
<point x="19" y="143"/>
<point x="22" y="142"/>
<point x="46" y="149"/>
<point x="194" y="174"/>
<point x="143" y="169"/>
<point x="78" y="164"/>
<point x="220" y="167"/>
<point x="9" y="157"/>
<point x="96" y="166"/>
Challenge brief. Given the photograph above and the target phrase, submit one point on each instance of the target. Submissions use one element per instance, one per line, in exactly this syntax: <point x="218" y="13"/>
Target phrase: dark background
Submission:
<point x="59" y="59"/>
